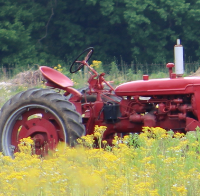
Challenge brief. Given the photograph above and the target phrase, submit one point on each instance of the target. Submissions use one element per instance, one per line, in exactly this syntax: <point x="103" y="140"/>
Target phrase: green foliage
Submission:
<point x="47" y="32"/>
<point x="133" y="140"/>
<point x="131" y="76"/>
<point x="114" y="70"/>
<point x="159" y="75"/>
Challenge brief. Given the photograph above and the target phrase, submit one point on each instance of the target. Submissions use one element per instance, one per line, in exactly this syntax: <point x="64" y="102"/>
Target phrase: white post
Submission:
<point x="178" y="59"/>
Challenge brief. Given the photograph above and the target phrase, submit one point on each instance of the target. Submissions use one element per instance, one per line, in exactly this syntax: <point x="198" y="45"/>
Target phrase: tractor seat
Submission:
<point x="56" y="77"/>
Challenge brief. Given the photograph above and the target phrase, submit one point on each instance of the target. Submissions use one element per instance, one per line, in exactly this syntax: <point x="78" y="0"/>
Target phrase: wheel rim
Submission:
<point x="37" y="121"/>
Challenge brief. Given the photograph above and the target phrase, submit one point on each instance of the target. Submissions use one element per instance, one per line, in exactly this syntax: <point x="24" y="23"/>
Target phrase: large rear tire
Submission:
<point x="42" y="114"/>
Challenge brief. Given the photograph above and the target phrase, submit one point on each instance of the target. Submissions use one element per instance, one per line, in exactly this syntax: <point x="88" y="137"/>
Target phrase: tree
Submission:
<point x="55" y="31"/>
<point x="155" y="25"/>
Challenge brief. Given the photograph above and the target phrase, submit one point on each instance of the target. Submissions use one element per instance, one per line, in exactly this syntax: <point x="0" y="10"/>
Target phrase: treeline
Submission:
<point x="55" y="31"/>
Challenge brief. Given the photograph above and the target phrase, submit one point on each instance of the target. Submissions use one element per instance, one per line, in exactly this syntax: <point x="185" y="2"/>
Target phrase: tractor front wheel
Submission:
<point x="41" y="114"/>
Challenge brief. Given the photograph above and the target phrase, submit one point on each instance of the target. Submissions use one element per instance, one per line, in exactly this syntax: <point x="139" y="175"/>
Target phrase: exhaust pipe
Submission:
<point x="178" y="59"/>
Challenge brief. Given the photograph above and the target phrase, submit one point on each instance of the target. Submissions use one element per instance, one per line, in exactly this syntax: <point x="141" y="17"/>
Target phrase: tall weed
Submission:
<point x="162" y="163"/>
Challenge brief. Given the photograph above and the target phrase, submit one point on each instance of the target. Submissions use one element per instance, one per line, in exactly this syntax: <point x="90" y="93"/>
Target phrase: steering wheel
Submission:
<point x="77" y="64"/>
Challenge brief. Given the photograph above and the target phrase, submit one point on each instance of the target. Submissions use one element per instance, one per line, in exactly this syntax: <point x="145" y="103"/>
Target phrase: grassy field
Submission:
<point x="153" y="163"/>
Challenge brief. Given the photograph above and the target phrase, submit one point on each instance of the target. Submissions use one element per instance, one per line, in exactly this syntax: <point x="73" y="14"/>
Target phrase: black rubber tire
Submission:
<point x="46" y="99"/>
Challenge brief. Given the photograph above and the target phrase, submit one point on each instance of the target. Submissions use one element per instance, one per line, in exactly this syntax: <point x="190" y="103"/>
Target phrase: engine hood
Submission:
<point x="158" y="86"/>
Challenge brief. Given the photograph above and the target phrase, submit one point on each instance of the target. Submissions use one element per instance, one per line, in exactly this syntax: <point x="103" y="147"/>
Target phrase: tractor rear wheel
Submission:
<point x="42" y="114"/>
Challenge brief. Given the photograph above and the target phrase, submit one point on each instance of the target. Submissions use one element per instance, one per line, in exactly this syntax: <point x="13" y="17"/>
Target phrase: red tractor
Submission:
<point x="49" y="117"/>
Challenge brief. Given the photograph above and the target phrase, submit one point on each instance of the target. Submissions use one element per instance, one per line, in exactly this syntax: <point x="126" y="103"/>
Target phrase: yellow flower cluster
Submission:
<point x="96" y="64"/>
<point x="154" y="132"/>
<point x="162" y="163"/>
<point x="89" y="140"/>
<point x="98" y="133"/>
<point x="58" y="68"/>
<point x="26" y="145"/>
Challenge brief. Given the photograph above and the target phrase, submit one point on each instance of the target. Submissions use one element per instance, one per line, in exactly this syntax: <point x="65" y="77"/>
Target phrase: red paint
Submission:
<point x="164" y="86"/>
<point x="54" y="76"/>
<point x="42" y="130"/>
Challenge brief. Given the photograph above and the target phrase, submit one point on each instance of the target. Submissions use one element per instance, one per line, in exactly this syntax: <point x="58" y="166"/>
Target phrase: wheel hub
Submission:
<point x="39" y="140"/>
<point x="42" y="131"/>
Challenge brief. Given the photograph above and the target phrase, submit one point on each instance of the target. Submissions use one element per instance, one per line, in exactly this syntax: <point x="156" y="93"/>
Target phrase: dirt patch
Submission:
<point x="28" y="78"/>
<point x="197" y="73"/>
